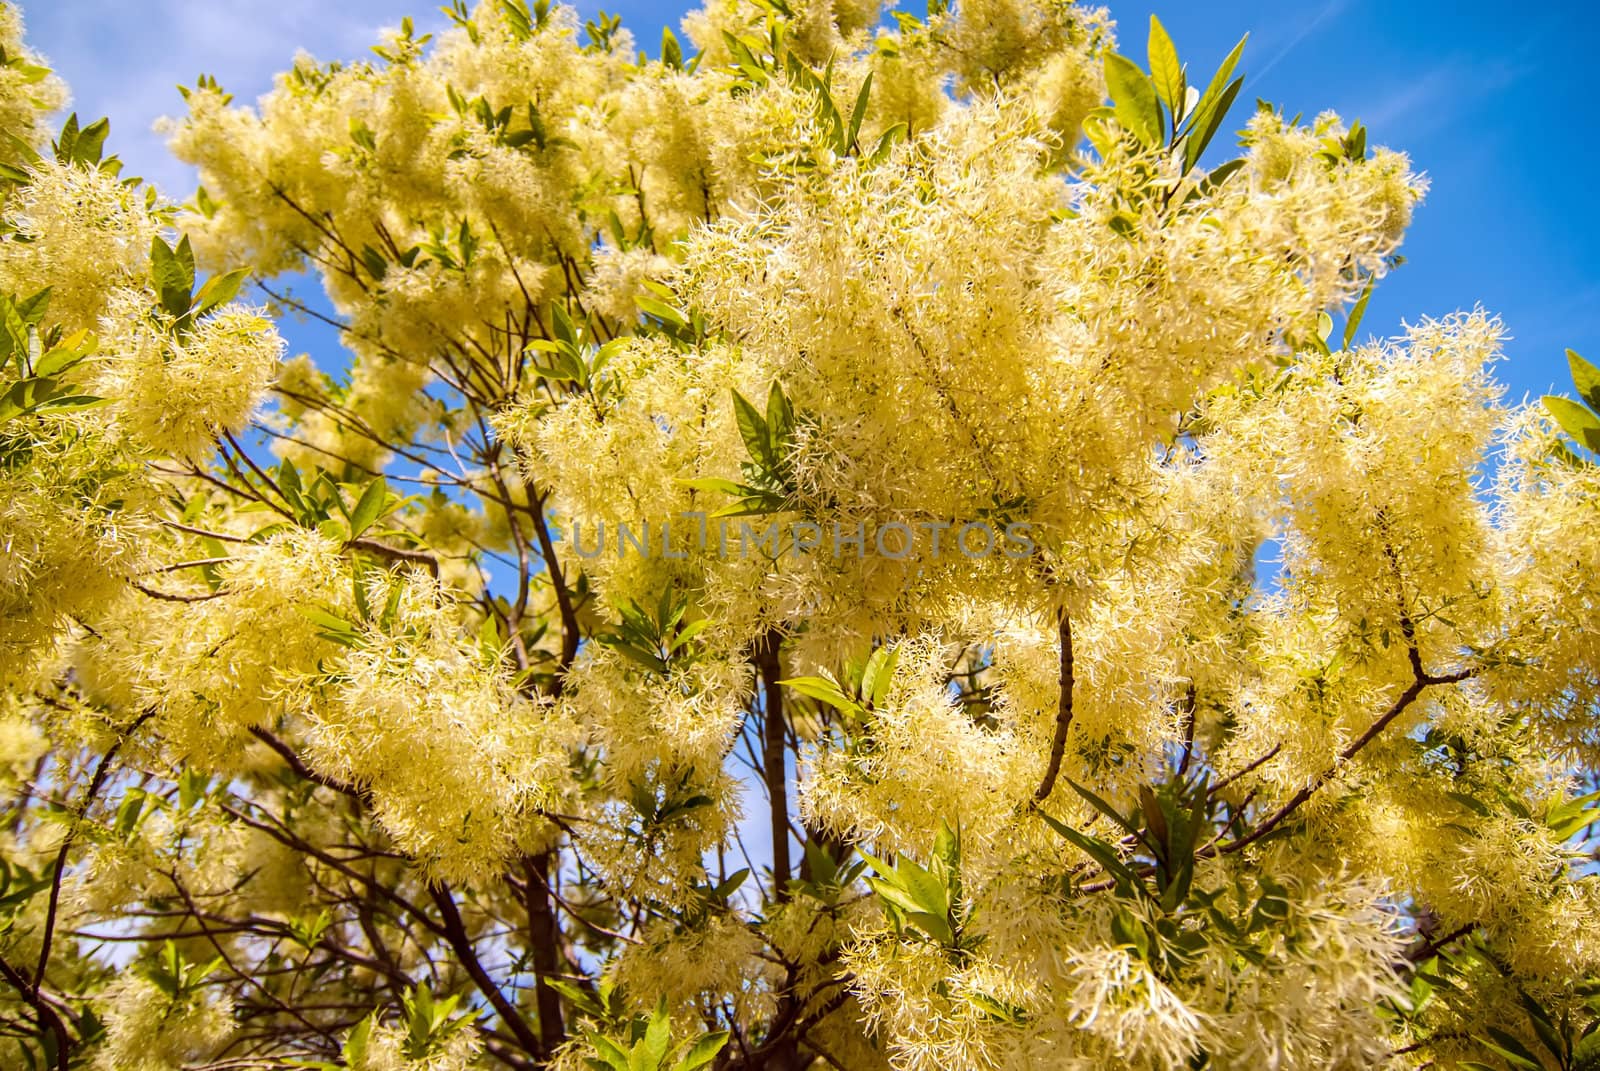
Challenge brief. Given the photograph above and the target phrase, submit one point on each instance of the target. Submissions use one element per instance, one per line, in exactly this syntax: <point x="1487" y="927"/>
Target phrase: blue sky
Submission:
<point x="1490" y="101"/>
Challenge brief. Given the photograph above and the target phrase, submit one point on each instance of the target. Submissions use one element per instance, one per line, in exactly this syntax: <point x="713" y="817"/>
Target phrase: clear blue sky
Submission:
<point x="1494" y="103"/>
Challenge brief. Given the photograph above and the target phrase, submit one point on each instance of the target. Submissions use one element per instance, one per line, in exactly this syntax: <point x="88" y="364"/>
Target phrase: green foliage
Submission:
<point x="656" y="638"/>
<point x="341" y="511"/>
<point x="429" y="1023"/>
<point x="176" y="976"/>
<point x="571" y="357"/>
<point x="18" y="885"/>
<point x="1557" y="1033"/>
<point x="172" y="273"/>
<point x="828" y="878"/>
<point x="768" y="485"/>
<point x="647" y="1046"/>
<point x="1161" y="108"/>
<point x="659" y="799"/>
<point x="84" y="147"/>
<point x="1153" y="868"/>
<point x="602" y="31"/>
<point x="523" y="21"/>
<point x="863" y="686"/>
<point x="928" y="899"/>
<point x="34" y="365"/>
<point x="604" y="1003"/>
<point x="1579" y="420"/>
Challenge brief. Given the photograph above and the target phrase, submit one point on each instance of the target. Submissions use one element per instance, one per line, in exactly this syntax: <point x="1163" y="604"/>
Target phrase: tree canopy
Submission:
<point x="862" y="540"/>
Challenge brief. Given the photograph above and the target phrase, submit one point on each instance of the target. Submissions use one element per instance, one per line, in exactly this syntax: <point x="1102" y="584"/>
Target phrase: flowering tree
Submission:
<point x="838" y="549"/>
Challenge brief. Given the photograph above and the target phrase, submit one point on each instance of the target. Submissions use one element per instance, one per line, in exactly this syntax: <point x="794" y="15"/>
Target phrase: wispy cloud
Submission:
<point x="125" y="60"/>
<point x="1436" y="97"/>
<point x="1329" y="11"/>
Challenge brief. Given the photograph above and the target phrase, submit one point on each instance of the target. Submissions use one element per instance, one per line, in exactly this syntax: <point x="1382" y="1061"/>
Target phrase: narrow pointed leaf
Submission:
<point x="1165" y="70"/>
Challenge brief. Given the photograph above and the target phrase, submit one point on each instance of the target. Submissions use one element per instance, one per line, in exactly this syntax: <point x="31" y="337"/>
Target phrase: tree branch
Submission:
<point x="1058" y="742"/>
<point x="95" y="784"/>
<point x="455" y="932"/>
<point x="1420" y="680"/>
<point x="47" y="1015"/>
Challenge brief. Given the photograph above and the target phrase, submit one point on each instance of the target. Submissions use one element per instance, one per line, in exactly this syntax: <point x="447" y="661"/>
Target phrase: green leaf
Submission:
<point x="1575" y="420"/>
<point x="1218" y="80"/>
<point x="1206" y="114"/>
<point x="702" y="1051"/>
<point x="1544" y="1026"/>
<point x="652" y="1048"/>
<point x="1586" y="377"/>
<point x="40" y="394"/>
<point x="753" y="430"/>
<point x="689" y="632"/>
<point x="1109" y="811"/>
<point x="610" y="1054"/>
<point x="909" y="886"/>
<point x="219" y="290"/>
<point x="71" y="350"/>
<point x="879" y="674"/>
<point x="91" y="141"/>
<point x="355" y="1046"/>
<point x="370" y="507"/>
<point x="1129" y="931"/>
<point x="1571" y="817"/>
<point x="1165" y="70"/>
<point x="648" y="659"/>
<point x="715" y="484"/>
<point x="859" y="112"/>
<point x="886" y="143"/>
<point x="362" y="135"/>
<point x="1472" y="803"/>
<point x="996" y="1009"/>
<point x="172" y="272"/>
<point x="1352" y="322"/>
<point x="671" y="51"/>
<point x="1206" y="129"/>
<point x="128" y="812"/>
<point x="1155" y="819"/>
<point x="661" y="311"/>
<point x="1098" y="850"/>
<point x="67" y="139"/>
<point x="1134" y="99"/>
<point x="823" y="690"/>
<point x="1511" y="1050"/>
<point x="780" y="422"/>
<point x="333" y="627"/>
<point x="32" y="308"/>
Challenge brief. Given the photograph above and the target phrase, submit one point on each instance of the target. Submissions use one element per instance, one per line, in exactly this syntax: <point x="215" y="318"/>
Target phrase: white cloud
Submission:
<point x="125" y="60"/>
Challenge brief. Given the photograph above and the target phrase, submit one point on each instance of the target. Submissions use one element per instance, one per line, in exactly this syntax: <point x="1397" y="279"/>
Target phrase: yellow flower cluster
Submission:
<point x="1265" y="703"/>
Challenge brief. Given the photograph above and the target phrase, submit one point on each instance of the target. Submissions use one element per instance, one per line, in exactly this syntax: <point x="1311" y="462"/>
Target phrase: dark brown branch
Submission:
<point x="47" y="1015"/>
<point x="570" y="631"/>
<point x="773" y="767"/>
<point x="168" y="596"/>
<point x="1429" y="949"/>
<point x="455" y="932"/>
<point x="399" y="554"/>
<point x="1251" y="768"/>
<point x="1058" y="742"/>
<point x="95" y="784"/>
<point x="543" y="935"/>
<point x="298" y="765"/>
<point x="1420" y="680"/>
<point x="1188" y="730"/>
